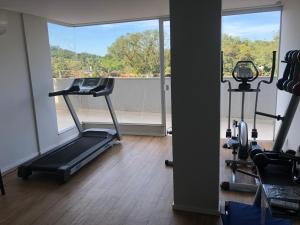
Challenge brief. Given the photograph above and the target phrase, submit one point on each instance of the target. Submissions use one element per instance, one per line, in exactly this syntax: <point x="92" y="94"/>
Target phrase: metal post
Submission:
<point x="243" y="105"/>
<point x="286" y="124"/>
<point x="162" y="72"/>
<point x="113" y="116"/>
<point x="73" y="113"/>
<point x="256" y="103"/>
<point x="229" y="104"/>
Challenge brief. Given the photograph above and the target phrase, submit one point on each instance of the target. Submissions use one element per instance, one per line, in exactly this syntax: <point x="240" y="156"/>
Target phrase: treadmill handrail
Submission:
<point x="64" y="92"/>
<point x="109" y="86"/>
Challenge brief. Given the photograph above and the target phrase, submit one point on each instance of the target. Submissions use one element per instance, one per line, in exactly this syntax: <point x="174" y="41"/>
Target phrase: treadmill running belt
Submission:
<point x="67" y="153"/>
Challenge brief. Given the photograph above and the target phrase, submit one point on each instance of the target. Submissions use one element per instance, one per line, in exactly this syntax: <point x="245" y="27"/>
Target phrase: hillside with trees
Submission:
<point x="137" y="55"/>
<point x="260" y="52"/>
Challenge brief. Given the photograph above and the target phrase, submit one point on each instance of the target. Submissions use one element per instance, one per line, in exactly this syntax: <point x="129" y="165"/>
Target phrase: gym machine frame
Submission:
<point x="68" y="158"/>
<point x="239" y="143"/>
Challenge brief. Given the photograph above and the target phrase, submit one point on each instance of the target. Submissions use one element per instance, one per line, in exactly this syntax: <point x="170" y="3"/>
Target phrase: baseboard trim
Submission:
<point x="12" y="167"/>
<point x="210" y="212"/>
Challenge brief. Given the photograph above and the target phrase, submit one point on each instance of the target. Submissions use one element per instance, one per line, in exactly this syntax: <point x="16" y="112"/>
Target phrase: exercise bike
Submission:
<point x="243" y="73"/>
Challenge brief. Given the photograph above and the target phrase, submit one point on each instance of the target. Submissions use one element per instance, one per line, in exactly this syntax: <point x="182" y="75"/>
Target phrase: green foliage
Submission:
<point x="137" y="55"/>
<point x="138" y="51"/>
<point x="260" y="52"/>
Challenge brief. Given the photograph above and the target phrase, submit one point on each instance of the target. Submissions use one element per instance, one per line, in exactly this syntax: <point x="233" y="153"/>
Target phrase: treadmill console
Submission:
<point x="90" y="83"/>
<point x="88" y="86"/>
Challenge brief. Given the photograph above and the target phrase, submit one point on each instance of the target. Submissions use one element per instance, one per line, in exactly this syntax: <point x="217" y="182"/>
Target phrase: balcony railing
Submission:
<point x="138" y="101"/>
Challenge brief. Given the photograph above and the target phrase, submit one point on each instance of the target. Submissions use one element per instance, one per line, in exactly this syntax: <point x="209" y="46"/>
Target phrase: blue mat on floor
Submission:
<point x="243" y="214"/>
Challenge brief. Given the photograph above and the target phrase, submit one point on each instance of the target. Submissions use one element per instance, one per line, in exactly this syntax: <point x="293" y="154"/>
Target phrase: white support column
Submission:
<point x="195" y="61"/>
<point x="39" y="63"/>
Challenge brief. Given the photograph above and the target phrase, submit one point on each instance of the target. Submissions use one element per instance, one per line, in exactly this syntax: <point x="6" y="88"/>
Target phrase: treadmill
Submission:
<point x="67" y="159"/>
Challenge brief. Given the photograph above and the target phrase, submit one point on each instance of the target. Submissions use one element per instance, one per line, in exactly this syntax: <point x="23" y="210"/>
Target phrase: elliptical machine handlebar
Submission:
<point x="222" y="68"/>
<point x="228" y="131"/>
<point x="272" y="70"/>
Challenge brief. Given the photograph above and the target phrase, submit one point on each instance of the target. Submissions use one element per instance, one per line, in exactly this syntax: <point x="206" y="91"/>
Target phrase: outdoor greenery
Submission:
<point x="137" y="55"/>
<point x="260" y="52"/>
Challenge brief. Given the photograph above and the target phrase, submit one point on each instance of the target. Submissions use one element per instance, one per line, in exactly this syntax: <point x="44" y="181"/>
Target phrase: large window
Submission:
<point x="250" y="37"/>
<point x="127" y="51"/>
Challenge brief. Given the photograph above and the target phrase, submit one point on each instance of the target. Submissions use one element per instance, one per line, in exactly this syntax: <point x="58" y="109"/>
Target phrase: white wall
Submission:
<point x="290" y="39"/>
<point x="38" y="53"/>
<point x="18" y="137"/>
<point x="195" y="43"/>
<point x="28" y="117"/>
<point x="130" y="94"/>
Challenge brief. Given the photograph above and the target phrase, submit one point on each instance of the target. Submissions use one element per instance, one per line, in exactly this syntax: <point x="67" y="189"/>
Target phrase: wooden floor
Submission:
<point x="129" y="184"/>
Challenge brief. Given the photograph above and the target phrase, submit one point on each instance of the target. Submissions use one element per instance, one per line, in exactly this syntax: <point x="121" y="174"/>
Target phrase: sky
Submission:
<point x="97" y="38"/>
<point x="255" y="26"/>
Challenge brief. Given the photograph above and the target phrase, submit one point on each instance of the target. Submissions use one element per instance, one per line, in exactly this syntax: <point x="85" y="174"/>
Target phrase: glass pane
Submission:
<point x="250" y="37"/>
<point x="129" y="52"/>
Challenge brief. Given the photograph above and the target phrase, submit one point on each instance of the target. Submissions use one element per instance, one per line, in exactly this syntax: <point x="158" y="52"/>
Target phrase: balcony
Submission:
<point x="138" y="101"/>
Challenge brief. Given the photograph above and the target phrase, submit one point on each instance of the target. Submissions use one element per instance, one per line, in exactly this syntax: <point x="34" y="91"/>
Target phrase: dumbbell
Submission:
<point x="286" y="71"/>
<point x="255" y="152"/>
<point x="290" y="85"/>
<point x="273" y="155"/>
<point x="269" y="154"/>
<point x="290" y="152"/>
<point x="293" y="60"/>
<point x="296" y="87"/>
<point x="261" y="160"/>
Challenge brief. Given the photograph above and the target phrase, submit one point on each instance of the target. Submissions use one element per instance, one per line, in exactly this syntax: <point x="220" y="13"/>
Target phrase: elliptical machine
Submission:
<point x="244" y="73"/>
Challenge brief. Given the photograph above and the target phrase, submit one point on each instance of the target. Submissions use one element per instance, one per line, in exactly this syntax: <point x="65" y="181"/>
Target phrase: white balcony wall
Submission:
<point x="143" y="95"/>
<point x="130" y="94"/>
<point x="266" y="101"/>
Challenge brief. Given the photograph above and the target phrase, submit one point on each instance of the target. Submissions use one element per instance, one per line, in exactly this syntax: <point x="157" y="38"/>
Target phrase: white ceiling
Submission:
<point x="76" y="12"/>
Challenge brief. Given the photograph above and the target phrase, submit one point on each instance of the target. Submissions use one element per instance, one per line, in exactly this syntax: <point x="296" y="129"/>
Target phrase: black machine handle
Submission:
<point x="56" y="93"/>
<point x="222" y="68"/>
<point x="105" y="89"/>
<point x="272" y="70"/>
<point x="64" y="92"/>
<point x="99" y="93"/>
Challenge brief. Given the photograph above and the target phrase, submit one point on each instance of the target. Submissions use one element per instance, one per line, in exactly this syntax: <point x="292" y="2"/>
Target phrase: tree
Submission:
<point x="260" y="52"/>
<point x="139" y="52"/>
<point x="110" y="64"/>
